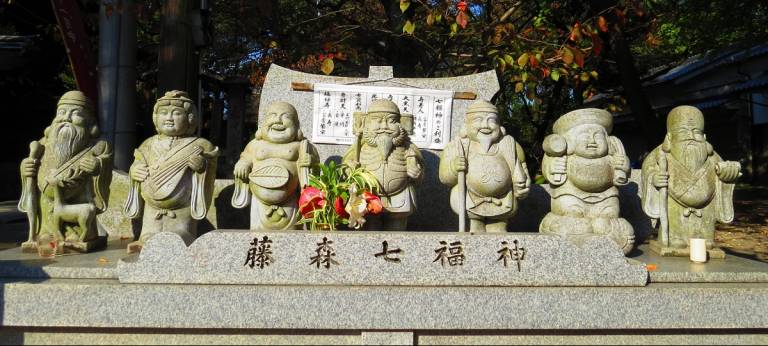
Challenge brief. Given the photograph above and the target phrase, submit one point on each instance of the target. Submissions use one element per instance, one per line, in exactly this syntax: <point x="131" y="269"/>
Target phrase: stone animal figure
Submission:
<point x="82" y="214"/>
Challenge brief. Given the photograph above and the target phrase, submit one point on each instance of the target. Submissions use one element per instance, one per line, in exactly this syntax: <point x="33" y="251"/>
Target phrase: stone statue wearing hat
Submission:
<point x="273" y="168"/>
<point x="495" y="176"/>
<point x="584" y="165"/>
<point x="172" y="173"/>
<point x="66" y="179"/>
<point x="385" y="149"/>
<point x="686" y="185"/>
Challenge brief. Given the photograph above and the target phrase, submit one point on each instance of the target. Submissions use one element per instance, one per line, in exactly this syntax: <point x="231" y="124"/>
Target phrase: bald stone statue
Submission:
<point x="386" y="151"/>
<point x="66" y="178"/>
<point x="584" y="165"/>
<point x="496" y="173"/>
<point x="687" y="183"/>
<point x="172" y="174"/>
<point x="273" y="168"/>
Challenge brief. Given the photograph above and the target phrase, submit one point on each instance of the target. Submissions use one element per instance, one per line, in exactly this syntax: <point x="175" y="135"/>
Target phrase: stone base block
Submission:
<point x="665" y="251"/>
<point x="87" y="246"/>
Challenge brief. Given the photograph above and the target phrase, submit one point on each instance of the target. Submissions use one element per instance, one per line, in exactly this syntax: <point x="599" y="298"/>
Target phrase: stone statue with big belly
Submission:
<point x="496" y="174"/>
<point x="273" y="168"/>
<point x="584" y="165"/>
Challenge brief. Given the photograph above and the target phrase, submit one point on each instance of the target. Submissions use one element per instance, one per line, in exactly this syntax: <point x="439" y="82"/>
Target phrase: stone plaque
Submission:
<point x="382" y="258"/>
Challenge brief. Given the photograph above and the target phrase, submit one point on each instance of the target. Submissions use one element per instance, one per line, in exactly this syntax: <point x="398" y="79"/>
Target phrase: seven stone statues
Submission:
<point x="386" y="151"/>
<point x="66" y="178"/>
<point x="686" y="184"/>
<point x="496" y="173"/>
<point x="584" y="166"/>
<point x="173" y="172"/>
<point x="275" y="165"/>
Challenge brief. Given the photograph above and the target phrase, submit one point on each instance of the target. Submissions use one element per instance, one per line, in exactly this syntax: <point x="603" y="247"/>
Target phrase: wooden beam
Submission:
<point x="459" y="95"/>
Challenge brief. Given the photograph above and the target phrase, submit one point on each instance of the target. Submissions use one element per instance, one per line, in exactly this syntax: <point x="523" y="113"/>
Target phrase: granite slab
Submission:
<point x="382" y="258"/>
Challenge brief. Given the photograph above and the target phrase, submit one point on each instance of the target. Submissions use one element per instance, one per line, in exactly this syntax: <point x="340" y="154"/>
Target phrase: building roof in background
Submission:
<point x="702" y="63"/>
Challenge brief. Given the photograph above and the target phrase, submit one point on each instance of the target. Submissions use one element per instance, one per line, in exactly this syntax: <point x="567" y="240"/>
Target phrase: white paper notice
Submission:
<point x="335" y="103"/>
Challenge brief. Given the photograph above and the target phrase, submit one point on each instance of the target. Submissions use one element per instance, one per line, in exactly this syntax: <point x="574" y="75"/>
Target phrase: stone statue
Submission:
<point x="66" y="178"/>
<point x="275" y="165"/>
<point x="384" y="148"/>
<point x="495" y="171"/>
<point x="686" y="185"/>
<point x="172" y="173"/>
<point x="584" y="165"/>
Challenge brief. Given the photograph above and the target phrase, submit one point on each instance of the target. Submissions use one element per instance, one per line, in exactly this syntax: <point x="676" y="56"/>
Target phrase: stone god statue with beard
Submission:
<point x="496" y="173"/>
<point x="172" y="174"/>
<point x="387" y="152"/>
<point x="584" y="165"/>
<point x="686" y="173"/>
<point x="66" y="179"/>
<point x="273" y="168"/>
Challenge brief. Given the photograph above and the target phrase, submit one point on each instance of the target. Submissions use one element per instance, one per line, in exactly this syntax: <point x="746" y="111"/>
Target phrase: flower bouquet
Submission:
<point x="340" y="195"/>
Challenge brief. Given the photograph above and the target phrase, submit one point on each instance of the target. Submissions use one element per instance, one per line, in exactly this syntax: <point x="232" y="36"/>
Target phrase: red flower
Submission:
<point x="311" y="199"/>
<point x="462" y="6"/>
<point x="338" y="205"/>
<point x="374" y="203"/>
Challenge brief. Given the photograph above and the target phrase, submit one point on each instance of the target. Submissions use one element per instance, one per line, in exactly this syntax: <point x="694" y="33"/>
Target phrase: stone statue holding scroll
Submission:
<point x="172" y="174"/>
<point x="686" y="183"/>
<point x="495" y="176"/>
<point x="584" y="165"/>
<point x="384" y="148"/>
<point x="66" y="178"/>
<point x="273" y="168"/>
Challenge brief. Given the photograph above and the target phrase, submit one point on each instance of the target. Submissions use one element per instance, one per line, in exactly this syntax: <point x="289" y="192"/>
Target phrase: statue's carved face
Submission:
<point x="382" y="122"/>
<point x="172" y="120"/>
<point x="282" y="124"/>
<point x="68" y="133"/>
<point x="483" y="127"/>
<point x="686" y="133"/>
<point x="588" y="141"/>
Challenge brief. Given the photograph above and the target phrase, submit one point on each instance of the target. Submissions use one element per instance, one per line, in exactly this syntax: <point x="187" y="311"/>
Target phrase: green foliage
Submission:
<point x="336" y="181"/>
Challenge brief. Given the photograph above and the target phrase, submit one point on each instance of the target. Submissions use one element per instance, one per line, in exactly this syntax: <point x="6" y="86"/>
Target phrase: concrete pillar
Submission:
<point x="117" y="78"/>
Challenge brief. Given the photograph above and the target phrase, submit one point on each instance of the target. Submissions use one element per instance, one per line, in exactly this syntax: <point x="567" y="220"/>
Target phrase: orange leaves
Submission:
<point x="575" y="33"/>
<point x="462" y="19"/>
<point x="567" y="55"/>
<point x="597" y="45"/>
<point x="571" y="55"/>
<point x="602" y="24"/>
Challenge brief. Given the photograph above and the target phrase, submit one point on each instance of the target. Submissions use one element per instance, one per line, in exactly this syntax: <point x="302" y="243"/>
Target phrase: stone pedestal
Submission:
<point x="665" y="251"/>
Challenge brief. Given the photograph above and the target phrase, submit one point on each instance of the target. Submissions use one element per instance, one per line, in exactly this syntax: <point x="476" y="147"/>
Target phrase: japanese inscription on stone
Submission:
<point x="516" y="254"/>
<point x="324" y="254"/>
<point x="387" y="254"/>
<point x="334" y="105"/>
<point x="260" y="253"/>
<point x="452" y="253"/>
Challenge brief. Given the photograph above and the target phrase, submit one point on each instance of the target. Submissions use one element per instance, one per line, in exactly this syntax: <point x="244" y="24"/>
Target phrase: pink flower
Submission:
<point x="311" y="199"/>
<point x="374" y="203"/>
<point x="338" y="205"/>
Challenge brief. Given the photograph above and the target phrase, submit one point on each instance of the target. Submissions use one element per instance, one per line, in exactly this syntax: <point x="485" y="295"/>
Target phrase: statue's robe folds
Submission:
<point x="274" y="183"/>
<point x="396" y="189"/>
<point x="173" y="197"/>
<point x="490" y="179"/>
<point x="78" y="187"/>
<point x="695" y="200"/>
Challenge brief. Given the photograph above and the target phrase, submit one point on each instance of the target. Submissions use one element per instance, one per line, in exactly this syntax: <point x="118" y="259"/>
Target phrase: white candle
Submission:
<point x="698" y="249"/>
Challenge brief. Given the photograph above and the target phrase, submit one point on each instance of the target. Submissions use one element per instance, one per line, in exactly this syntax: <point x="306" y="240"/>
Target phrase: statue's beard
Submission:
<point x="692" y="154"/>
<point x="67" y="141"/>
<point x="486" y="141"/>
<point x="385" y="139"/>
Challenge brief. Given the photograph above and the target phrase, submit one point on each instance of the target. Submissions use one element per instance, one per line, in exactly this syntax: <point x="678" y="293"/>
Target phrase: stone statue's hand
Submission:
<point x="242" y="169"/>
<point x="89" y="165"/>
<point x="728" y="171"/>
<point x="196" y="163"/>
<point x="304" y="160"/>
<point x="139" y="172"/>
<point x="660" y="180"/>
<point x="413" y="168"/>
<point x="619" y="161"/>
<point x="29" y="167"/>
<point x="459" y="164"/>
<point x="521" y="189"/>
<point x="559" y="165"/>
